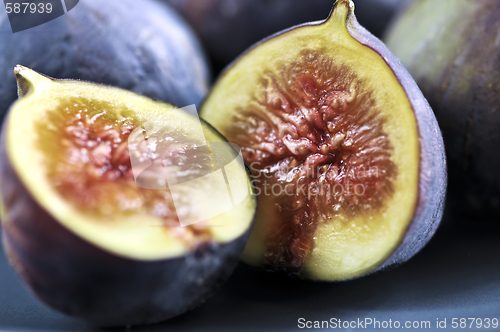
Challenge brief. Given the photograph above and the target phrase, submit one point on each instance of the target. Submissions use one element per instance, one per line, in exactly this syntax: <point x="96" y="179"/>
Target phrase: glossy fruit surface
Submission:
<point x="86" y="222"/>
<point x="452" y="49"/>
<point x="143" y="46"/>
<point x="346" y="152"/>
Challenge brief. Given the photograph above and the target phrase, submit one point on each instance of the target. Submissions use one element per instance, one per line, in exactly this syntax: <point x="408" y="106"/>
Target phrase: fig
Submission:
<point x="102" y="229"/>
<point x="452" y="50"/>
<point x="143" y="46"/>
<point x="229" y="27"/>
<point x="346" y="154"/>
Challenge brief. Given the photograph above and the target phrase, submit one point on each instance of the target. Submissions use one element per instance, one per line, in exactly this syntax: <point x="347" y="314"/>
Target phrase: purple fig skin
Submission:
<point x="433" y="175"/>
<point x="433" y="169"/>
<point x="457" y="66"/>
<point x="79" y="279"/>
<point x="143" y="46"/>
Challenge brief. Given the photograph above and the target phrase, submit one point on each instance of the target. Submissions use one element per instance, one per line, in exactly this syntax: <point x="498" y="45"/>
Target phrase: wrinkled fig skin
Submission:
<point x="143" y="46"/>
<point x="457" y="66"/>
<point x="433" y="168"/>
<point x="105" y="289"/>
<point x="229" y="27"/>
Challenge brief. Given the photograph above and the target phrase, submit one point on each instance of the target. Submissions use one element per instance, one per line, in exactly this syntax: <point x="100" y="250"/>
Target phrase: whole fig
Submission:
<point x="143" y="46"/>
<point x="452" y="49"/>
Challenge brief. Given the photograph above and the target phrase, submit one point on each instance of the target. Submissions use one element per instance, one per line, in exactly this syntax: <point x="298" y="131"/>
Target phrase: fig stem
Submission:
<point x="338" y="16"/>
<point x="26" y="79"/>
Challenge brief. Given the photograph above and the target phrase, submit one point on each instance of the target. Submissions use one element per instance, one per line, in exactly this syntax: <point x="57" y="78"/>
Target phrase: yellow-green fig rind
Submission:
<point x="433" y="166"/>
<point x="65" y="258"/>
<point x="415" y="209"/>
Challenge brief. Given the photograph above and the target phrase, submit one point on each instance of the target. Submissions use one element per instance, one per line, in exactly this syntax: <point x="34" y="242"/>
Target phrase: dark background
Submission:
<point x="455" y="276"/>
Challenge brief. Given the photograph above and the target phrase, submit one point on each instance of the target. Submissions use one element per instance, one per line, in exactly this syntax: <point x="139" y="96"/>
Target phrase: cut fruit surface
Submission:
<point x="330" y="131"/>
<point x="142" y="195"/>
<point x="86" y="144"/>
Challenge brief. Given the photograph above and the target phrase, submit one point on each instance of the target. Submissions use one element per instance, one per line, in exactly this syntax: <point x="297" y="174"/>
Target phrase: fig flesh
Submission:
<point x="143" y="46"/>
<point x="346" y="153"/>
<point x="90" y="234"/>
<point x="452" y="50"/>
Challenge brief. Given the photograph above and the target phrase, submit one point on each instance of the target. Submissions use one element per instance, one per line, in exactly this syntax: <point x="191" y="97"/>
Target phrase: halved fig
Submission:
<point x="96" y="183"/>
<point x="345" y="151"/>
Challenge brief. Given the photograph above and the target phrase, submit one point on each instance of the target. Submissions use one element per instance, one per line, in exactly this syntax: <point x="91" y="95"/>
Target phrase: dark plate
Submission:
<point x="455" y="276"/>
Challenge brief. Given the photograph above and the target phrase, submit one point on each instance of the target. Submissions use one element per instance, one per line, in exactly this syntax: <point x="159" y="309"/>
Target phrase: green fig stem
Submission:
<point x="26" y="79"/>
<point x="338" y="16"/>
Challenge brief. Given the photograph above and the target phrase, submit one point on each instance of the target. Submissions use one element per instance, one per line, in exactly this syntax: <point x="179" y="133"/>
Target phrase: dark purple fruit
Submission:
<point x="93" y="237"/>
<point x="346" y="154"/>
<point x="452" y="49"/>
<point x="229" y="27"/>
<point x="143" y="46"/>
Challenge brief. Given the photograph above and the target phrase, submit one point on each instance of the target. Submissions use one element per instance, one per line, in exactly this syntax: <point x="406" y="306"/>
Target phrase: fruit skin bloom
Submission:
<point x="462" y="88"/>
<point x="146" y="48"/>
